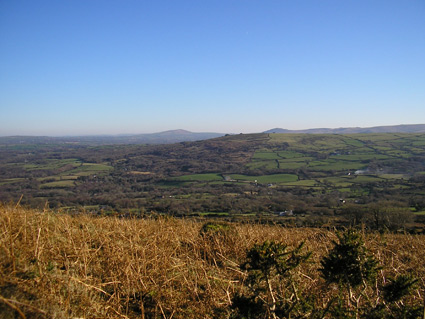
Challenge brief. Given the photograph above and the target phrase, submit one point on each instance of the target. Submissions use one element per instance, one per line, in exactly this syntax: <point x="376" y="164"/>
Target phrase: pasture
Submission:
<point x="274" y="178"/>
<point x="199" y="178"/>
<point x="360" y="167"/>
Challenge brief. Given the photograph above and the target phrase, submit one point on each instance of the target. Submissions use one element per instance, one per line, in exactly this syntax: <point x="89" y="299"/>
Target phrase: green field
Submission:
<point x="88" y="169"/>
<point x="393" y="176"/>
<point x="360" y="157"/>
<point x="333" y="165"/>
<point x="290" y="154"/>
<point x="59" y="173"/>
<point x="262" y="164"/>
<point x="11" y="180"/>
<point x="304" y="183"/>
<point x="264" y="155"/>
<point x="367" y="179"/>
<point x="275" y="178"/>
<point x="292" y="164"/>
<point x="219" y="175"/>
<point x="200" y="177"/>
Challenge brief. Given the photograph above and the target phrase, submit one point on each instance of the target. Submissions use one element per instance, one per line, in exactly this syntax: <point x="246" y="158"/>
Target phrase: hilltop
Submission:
<point x="410" y="128"/>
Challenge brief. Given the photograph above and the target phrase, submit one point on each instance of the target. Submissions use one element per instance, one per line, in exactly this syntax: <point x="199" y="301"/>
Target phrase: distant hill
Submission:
<point x="167" y="137"/>
<point x="177" y="136"/>
<point x="411" y="128"/>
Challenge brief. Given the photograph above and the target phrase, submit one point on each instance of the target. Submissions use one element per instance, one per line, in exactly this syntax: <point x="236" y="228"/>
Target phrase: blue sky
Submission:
<point x="108" y="67"/>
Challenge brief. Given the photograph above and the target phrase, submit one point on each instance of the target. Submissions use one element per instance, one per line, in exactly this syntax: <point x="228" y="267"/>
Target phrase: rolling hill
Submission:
<point x="244" y="174"/>
<point x="410" y="128"/>
<point x="167" y="137"/>
<point x="177" y="136"/>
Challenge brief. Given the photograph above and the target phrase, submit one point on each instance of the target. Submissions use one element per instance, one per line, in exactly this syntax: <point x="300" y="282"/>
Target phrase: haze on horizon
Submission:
<point x="113" y="67"/>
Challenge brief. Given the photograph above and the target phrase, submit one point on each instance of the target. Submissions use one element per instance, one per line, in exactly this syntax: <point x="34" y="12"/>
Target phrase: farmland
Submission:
<point x="248" y="174"/>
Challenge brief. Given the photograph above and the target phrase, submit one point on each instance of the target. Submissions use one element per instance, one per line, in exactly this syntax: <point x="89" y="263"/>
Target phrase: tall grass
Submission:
<point x="61" y="266"/>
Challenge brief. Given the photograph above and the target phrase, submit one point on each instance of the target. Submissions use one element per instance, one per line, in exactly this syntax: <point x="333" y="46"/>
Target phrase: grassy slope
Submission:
<point x="59" y="266"/>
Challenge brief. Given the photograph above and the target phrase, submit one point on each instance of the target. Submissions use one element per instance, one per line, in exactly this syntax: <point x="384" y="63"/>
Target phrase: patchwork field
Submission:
<point x="237" y="174"/>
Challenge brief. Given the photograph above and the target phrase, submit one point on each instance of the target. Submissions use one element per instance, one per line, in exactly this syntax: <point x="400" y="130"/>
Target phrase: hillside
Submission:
<point x="314" y="175"/>
<point x="56" y="265"/>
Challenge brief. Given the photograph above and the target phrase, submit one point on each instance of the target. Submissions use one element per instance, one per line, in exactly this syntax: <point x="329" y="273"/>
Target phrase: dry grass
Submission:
<point x="60" y="266"/>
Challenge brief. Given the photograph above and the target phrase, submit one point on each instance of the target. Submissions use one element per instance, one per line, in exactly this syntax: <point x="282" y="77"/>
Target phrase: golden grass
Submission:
<point x="55" y="265"/>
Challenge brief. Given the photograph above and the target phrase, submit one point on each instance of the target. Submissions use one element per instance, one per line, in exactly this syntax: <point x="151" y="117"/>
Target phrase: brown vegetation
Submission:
<point x="61" y="266"/>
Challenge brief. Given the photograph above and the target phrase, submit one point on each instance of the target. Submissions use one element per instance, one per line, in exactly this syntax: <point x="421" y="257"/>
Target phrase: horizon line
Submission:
<point x="203" y="132"/>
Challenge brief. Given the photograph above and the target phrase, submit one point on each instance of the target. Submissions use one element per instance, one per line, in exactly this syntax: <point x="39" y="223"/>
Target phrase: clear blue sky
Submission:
<point x="77" y="67"/>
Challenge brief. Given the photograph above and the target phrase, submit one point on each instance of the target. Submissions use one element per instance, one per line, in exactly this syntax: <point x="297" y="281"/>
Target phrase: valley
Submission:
<point x="319" y="177"/>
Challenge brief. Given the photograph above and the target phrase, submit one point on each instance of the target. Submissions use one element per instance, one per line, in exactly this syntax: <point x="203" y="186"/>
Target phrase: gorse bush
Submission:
<point x="392" y="305"/>
<point x="398" y="288"/>
<point x="60" y="266"/>
<point x="354" y="270"/>
<point x="271" y="291"/>
<point x="348" y="263"/>
<point x="270" y="286"/>
<point x="214" y="228"/>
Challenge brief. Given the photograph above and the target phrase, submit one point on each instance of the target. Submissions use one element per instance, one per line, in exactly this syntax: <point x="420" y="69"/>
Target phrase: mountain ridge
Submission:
<point x="402" y="128"/>
<point x="181" y="135"/>
<point x="165" y="137"/>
